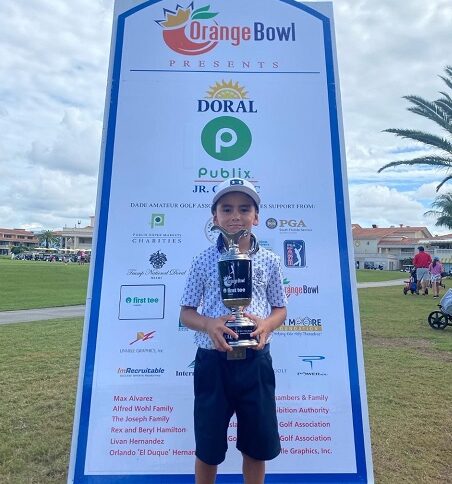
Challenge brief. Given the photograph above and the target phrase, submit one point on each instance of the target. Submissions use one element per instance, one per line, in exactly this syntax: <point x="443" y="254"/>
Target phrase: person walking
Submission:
<point x="436" y="269"/>
<point x="421" y="262"/>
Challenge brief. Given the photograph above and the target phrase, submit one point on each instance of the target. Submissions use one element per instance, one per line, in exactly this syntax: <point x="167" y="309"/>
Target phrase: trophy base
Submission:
<point x="243" y="327"/>
<point x="243" y="343"/>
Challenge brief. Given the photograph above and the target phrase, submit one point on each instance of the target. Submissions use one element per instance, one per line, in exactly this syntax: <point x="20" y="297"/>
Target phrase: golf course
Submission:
<point x="408" y="373"/>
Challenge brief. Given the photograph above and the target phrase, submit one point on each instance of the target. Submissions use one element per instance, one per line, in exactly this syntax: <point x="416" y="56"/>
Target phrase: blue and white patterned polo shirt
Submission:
<point x="202" y="289"/>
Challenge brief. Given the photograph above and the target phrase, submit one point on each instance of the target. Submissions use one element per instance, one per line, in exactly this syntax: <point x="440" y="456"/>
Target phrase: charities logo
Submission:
<point x="292" y="290"/>
<point x="287" y="225"/>
<point x="191" y="31"/>
<point x="157" y="220"/>
<point x="311" y="364"/>
<point x="294" y="253"/>
<point x="158" y="259"/>
<point x="301" y="325"/>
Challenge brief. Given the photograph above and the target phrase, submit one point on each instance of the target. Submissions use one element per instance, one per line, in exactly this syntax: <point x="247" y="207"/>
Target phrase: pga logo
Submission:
<point x="272" y="223"/>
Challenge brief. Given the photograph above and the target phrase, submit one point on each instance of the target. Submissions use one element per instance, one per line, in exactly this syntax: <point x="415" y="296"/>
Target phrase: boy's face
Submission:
<point x="235" y="211"/>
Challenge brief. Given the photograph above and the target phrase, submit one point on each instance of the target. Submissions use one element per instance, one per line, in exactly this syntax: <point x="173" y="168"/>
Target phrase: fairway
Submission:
<point x="369" y="275"/>
<point x="34" y="284"/>
<point x="408" y="372"/>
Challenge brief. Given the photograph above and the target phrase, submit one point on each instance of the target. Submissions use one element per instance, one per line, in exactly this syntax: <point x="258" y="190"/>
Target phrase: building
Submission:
<point x="393" y="248"/>
<point x="10" y="238"/>
<point x="77" y="238"/>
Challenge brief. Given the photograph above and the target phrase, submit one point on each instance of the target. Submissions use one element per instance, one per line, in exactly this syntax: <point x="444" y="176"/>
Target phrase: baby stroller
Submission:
<point x="411" y="285"/>
<point x="442" y="318"/>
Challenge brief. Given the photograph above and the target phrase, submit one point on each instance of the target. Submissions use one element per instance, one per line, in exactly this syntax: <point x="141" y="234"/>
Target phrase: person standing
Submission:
<point x="224" y="385"/>
<point x="421" y="262"/>
<point x="436" y="269"/>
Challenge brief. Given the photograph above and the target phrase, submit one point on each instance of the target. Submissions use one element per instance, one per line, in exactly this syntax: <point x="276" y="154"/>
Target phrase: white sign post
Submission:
<point x="198" y="93"/>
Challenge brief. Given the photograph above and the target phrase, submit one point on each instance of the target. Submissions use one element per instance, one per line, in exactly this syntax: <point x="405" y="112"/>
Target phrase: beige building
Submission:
<point x="10" y="238"/>
<point x="393" y="247"/>
<point x="77" y="238"/>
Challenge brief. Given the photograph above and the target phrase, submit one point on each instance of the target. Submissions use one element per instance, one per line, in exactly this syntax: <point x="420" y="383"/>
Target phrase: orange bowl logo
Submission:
<point x="183" y="21"/>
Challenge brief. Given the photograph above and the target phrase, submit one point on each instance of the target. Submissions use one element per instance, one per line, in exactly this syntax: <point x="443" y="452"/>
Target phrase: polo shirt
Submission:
<point x="202" y="288"/>
<point x="422" y="260"/>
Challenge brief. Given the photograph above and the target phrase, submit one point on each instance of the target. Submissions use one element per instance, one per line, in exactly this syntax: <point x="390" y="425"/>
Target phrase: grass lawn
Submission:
<point x="369" y="275"/>
<point x="34" y="284"/>
<point x="408" y="371"/>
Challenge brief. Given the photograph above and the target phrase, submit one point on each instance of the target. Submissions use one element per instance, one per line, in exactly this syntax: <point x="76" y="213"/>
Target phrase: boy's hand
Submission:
<point x="261" y="332"/>
<point x="216" y="329"/>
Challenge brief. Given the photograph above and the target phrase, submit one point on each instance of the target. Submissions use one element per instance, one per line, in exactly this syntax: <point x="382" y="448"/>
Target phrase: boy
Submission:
<point x="223" y="386"/>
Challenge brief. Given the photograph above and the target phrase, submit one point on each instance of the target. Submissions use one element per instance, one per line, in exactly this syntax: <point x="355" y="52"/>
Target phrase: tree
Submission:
<point x="49" y="238"/>
<point x="440" y="112"/>
<point x="443" y="212"/>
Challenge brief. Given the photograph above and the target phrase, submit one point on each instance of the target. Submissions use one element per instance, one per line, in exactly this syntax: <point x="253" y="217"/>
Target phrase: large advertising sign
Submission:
<point x="198" y="93"/>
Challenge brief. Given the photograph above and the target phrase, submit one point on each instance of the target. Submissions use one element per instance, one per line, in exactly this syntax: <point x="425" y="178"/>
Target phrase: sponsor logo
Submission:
<point x="140" y="372"/>
<point x="192" y="31"/>
<point x="188" y="371"/>
<point x="142" y="343"/>
<point x="158" y="259"/>
<point x="294" y="253"/>
<point x="226" y="138"/>
<point x="142" y="301"/>
<point x="287" y="225"/>
<point x="141" y="336"/>
<point x="312" y="363"/>
<point x="157" y="220"/>
<point x="301" y="325"/>
<point x="291" y="290"/>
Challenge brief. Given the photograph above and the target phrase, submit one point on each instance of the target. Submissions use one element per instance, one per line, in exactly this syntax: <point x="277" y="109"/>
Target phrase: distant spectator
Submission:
<point x="436" y="269"/>
<point x="422" y="262"/>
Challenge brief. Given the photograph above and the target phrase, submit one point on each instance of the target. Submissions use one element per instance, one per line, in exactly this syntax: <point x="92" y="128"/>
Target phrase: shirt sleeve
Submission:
<point x="194" y="286"/>
<point x="276" y="295"/>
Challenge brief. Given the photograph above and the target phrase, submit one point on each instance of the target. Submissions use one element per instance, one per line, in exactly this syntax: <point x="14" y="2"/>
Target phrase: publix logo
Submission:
<point x="191" y="31"/>
<point x="226" y="138"/>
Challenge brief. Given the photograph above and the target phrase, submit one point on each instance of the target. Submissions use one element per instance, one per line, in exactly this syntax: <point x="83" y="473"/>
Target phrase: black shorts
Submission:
<point x="246" y="387"/>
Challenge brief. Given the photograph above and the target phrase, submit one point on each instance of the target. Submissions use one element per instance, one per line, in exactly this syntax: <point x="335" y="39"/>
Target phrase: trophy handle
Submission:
<point x="232" y="240"/>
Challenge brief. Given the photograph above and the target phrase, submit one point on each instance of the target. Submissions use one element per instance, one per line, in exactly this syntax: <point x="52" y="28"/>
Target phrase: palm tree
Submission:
<point x="443" y="206"/>
<point x="439" y="111"/>
<point x="48" y="237"/>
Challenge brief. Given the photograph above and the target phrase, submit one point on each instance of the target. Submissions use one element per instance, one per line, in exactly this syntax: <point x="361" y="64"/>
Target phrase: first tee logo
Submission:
<point x="191" y="31"/>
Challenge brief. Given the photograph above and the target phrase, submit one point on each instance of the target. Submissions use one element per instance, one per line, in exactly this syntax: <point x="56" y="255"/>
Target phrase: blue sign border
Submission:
<point x="80" y="457"/>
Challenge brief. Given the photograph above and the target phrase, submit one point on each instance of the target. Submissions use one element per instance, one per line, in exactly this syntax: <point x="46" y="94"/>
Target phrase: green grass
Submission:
<point x="408" y="372"/>
<point x="38" y="370"/>
<point x="369" y="275"/>
<point x="33" y="284"/>
<point x="409" y="380"/>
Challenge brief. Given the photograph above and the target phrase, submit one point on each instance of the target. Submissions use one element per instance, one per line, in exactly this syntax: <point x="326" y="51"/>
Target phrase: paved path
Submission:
<point x="396" y="282"/>
<point x="26" y="315"/>
<point x="41" y="314"/>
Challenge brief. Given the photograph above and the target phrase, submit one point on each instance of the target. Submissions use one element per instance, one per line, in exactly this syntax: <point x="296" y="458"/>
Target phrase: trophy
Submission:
<point x="236" y="281"/>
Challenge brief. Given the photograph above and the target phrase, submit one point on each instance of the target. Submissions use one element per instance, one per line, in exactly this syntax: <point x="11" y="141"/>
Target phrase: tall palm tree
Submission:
<point x="439" y="111"/>
<point x="48" y="237"/>
<point x="443" y="212"/>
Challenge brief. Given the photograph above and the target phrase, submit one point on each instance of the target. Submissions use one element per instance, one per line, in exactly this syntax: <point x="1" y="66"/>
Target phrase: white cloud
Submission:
<point x="54" y="61"/>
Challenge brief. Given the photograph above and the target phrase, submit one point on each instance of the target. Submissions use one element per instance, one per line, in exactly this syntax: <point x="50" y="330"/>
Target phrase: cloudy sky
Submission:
<point x="53" y="74"/>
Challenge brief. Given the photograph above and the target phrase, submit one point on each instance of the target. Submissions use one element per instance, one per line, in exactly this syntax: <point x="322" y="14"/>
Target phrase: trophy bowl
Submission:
<point x="236" y="278"/>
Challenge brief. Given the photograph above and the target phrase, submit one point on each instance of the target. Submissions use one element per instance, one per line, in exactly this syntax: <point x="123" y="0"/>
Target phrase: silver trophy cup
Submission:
<point x="236" y="281"/>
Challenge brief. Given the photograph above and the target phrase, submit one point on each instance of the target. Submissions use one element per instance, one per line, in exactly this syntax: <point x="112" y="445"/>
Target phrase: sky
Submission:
<point x="53" y="75"/>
